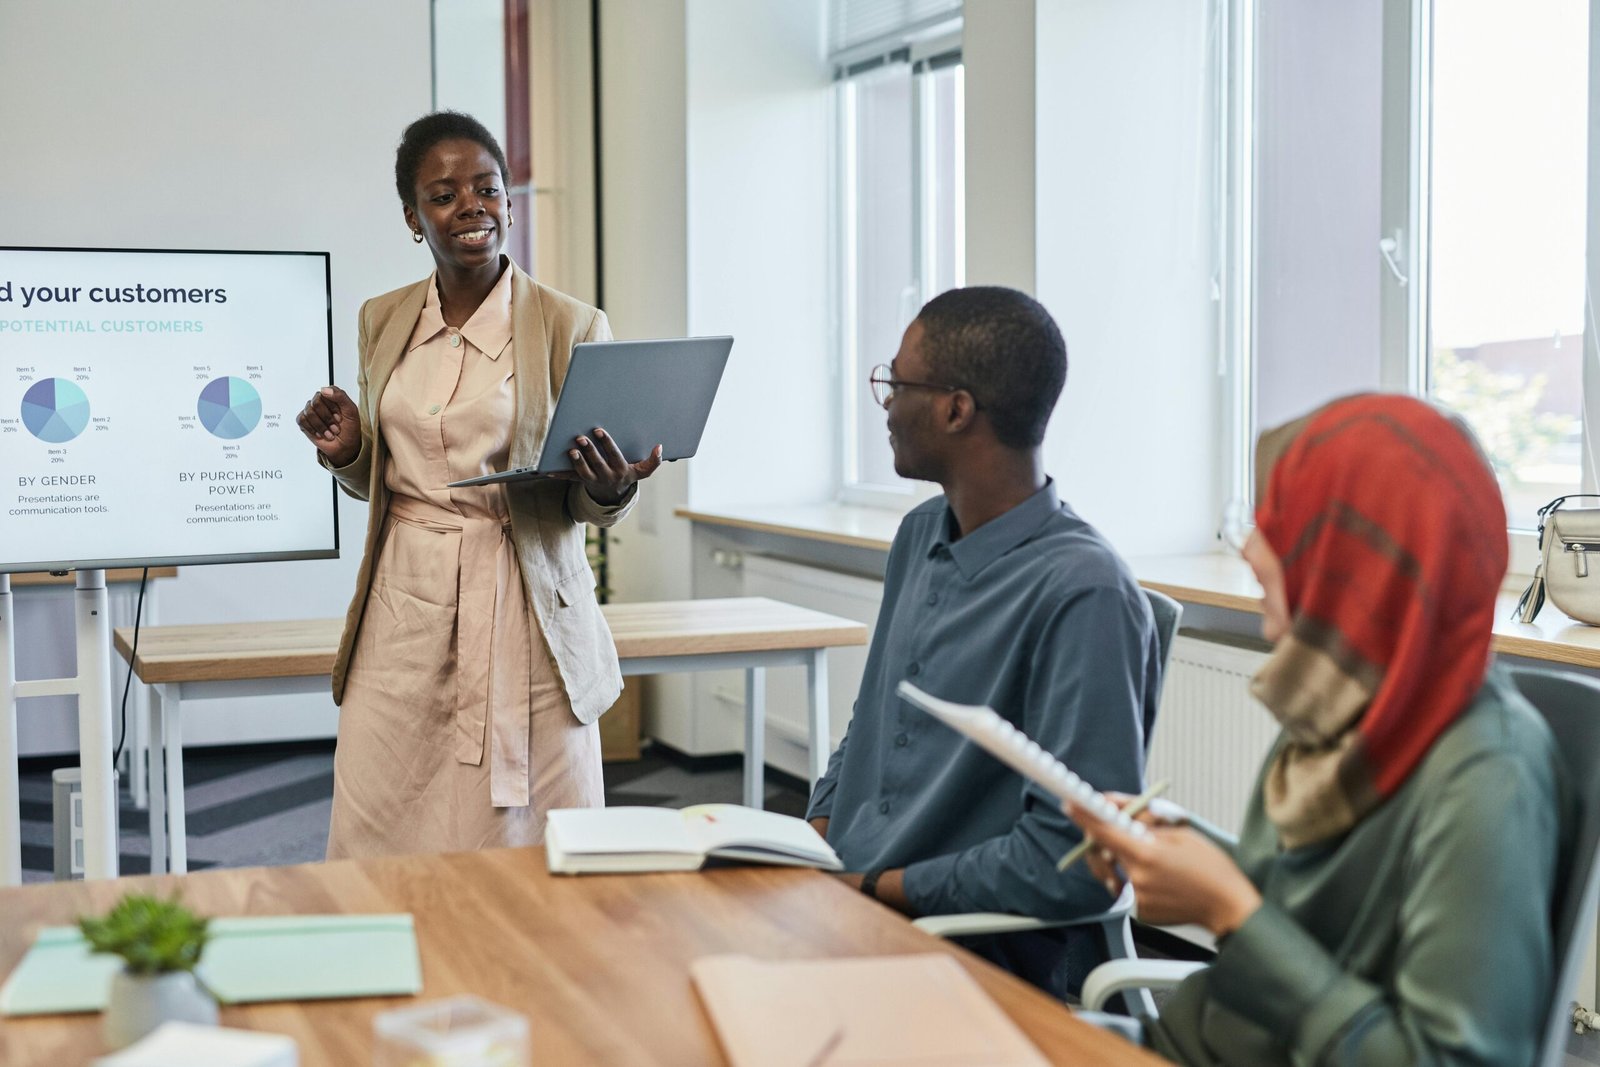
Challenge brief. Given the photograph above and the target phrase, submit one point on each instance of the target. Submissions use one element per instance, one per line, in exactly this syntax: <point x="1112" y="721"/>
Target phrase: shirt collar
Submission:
<point x="489" y="328"/>
<point x="976" y="550"/>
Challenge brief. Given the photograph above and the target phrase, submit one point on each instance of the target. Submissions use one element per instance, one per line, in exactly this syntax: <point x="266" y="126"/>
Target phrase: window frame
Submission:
<point x="924" y="57"/>
<point x="1404" y="325"/>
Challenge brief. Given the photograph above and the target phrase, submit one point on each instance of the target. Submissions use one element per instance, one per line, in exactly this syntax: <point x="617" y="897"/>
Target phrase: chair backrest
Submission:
<point x="1570" y="704"/>
<point x="1168" y="613"/>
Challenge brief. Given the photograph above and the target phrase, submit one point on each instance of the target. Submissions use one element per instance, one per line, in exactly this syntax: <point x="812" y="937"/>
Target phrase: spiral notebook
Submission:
<point x="277" y="957"/>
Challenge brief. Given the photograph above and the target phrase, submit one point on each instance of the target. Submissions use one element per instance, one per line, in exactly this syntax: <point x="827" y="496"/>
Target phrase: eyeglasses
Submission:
<point x="884" y="383"/>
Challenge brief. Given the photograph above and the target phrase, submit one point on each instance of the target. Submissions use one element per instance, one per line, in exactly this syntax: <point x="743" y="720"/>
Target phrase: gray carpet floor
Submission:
<point x="268" y="805"/>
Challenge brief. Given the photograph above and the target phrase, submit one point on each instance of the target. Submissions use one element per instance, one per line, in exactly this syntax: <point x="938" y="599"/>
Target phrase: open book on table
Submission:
<point x="608" y="840"/>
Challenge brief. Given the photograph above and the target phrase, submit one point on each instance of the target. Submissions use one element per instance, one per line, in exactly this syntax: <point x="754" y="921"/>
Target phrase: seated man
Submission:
<point x="996" y="593"/>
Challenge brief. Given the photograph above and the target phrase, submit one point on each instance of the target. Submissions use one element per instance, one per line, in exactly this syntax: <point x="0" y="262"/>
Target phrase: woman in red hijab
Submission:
<point x="1389" y="899"/>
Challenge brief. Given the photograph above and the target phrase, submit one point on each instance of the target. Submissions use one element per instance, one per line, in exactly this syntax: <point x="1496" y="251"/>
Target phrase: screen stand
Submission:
<point x="92" y="687"/>
<point x="10" y="797"/>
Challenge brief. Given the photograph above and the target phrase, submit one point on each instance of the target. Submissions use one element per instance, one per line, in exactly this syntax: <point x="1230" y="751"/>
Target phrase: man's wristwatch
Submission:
<point x="869" y="883"/>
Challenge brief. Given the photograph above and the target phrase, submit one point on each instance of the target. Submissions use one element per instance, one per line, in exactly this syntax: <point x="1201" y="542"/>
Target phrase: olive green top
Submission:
<point x="1423" y="936"/>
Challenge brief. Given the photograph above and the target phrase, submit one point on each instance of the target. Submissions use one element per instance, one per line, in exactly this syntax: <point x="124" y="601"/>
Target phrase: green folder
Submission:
<point x="278" y="957"/>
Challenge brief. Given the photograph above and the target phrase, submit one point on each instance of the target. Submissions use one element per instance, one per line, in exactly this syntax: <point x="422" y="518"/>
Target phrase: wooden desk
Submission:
<point x="230" y="659"/>
<point x="598" y="964"/>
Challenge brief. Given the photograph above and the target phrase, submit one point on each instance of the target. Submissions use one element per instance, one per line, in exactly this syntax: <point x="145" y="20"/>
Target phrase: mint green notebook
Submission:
<point x="277" y="957"/>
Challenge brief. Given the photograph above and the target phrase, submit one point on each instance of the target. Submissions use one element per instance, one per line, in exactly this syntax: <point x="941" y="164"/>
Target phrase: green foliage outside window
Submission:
<point x="1503" y="410"/>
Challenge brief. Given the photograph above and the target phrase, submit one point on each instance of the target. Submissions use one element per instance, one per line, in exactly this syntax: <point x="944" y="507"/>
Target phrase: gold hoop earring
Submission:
<point x="416" y="235"/>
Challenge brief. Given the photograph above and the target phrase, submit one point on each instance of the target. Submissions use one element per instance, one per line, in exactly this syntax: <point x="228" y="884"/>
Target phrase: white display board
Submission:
<point x="147" y="407"/>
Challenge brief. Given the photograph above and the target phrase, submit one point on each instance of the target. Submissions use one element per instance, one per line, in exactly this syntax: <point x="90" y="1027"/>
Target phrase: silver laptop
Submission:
<point x="643" y="393"/>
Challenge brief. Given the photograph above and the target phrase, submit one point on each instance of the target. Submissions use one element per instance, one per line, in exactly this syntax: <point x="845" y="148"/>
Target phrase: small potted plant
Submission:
<point x="160" y="942"/>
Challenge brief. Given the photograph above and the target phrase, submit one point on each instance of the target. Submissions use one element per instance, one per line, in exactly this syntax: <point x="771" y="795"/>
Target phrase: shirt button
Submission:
<point x="455" y="339"/>
<point x="883" y="809"/>
<point x="914" y="670"/>
<point x="434" y="410"/>
<point x="901" y="741"/>
<point x="933" y="598"/>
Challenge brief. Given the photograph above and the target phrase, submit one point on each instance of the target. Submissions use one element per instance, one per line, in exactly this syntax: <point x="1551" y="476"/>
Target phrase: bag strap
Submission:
<point x="1555" y="505"/>
<point x="1557" y="502"/>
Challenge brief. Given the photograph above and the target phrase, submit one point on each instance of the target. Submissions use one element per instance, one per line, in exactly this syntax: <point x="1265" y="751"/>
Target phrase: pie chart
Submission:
<point x="55" y="410"/>
<point x="229" y="407"/>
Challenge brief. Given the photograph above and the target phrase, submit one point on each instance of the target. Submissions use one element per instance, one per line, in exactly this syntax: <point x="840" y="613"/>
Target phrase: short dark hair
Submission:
<point x="1003" y="347"/>
<point x="428" y="131"/>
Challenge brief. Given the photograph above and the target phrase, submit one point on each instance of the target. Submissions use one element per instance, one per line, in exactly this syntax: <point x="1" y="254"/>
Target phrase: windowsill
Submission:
<point x="853" y="525"/>
<point x="1224" y="581"/>
<point x="1214" y="579"/>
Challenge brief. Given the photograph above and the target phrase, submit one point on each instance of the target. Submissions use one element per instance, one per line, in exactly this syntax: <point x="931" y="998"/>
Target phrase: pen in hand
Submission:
<point x="1135" y="806"/>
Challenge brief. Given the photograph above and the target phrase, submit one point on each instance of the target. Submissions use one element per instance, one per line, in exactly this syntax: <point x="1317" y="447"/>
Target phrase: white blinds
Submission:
<point x="861" y="29"/>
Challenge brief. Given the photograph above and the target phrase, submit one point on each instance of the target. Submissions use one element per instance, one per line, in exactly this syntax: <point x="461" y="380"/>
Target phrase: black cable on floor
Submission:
<point x="138" y="613"/>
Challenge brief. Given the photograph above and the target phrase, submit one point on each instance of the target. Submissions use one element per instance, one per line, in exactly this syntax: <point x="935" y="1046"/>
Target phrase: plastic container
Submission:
<point x="459" y="1032"/>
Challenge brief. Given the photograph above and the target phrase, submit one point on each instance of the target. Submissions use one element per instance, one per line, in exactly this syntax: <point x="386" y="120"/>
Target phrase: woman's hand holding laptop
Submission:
<point x="605" y="472"/>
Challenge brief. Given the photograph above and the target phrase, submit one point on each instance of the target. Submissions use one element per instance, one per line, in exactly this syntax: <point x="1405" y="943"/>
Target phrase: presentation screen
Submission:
<point x="147" y="407"/>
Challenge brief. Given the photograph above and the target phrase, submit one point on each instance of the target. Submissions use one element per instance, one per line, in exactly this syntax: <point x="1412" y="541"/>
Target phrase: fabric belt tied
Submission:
<point x="497" y="676"/>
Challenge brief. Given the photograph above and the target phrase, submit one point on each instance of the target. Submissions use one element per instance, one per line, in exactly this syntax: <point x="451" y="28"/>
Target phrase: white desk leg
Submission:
<point x="139" y="765"/>
<point x="158" y="781"/>
<point x="817" y="697"/>
<point x="755" y="736"/>
<point x="92" y="610"/>
<point x="172" y="722"/>
<point x="138" y="745"/>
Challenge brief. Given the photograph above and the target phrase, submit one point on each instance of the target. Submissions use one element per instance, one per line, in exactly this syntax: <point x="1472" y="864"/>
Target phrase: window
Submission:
<point x="1506" y="225"/>
<point x="1410" y="207"/>
<point x="901" y="217"/>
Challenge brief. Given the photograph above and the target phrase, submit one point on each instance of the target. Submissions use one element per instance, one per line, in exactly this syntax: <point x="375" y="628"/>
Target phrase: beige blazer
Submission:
<point x="547" y="517"/>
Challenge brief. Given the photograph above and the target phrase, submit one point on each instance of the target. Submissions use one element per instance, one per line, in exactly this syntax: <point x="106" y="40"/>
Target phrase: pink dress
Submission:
<point x="455" y="732"/>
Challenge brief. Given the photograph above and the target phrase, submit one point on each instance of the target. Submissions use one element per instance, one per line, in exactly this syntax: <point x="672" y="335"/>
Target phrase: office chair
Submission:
<point x="1570" y="705"/>
<point x="1113" y="926"/>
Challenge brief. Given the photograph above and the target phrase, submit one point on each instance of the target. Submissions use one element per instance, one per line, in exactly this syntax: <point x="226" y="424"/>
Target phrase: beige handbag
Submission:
<point x="1566" y="573"/>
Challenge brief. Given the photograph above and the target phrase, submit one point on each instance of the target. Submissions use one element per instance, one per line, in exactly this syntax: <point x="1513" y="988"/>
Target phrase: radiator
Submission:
<point x="1211" y="734"/>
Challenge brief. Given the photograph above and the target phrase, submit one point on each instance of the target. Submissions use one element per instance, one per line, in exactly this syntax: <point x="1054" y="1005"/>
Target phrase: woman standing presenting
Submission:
<point x="474" y="660"/>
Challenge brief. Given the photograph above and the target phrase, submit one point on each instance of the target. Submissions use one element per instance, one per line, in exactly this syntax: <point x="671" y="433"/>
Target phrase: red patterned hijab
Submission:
<point x="1392" y="534"/>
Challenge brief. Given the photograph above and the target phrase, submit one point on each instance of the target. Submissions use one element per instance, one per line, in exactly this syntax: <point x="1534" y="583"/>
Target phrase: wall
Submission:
<point x="191" y="124"/>
<point x="561" y="83"/>
<point x="714" y="141"/>
<point x="760" y="229"/>
<point x="1125" y="259"/>
<point x="469" y="72"/>
<point x="643" y="271"/>
<point x="998" y="51"/>
<point x="644" y="256"/>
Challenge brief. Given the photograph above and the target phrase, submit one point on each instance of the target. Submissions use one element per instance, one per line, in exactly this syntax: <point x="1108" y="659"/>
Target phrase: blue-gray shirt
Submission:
<point x="1034" y="615"/>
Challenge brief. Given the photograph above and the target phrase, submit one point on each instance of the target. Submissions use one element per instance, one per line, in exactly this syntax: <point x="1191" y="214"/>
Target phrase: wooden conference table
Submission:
<point x="244" y="659"/>
<point x="598" y="964"/>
